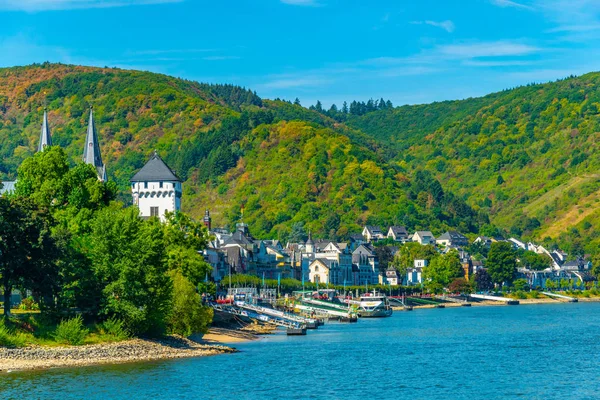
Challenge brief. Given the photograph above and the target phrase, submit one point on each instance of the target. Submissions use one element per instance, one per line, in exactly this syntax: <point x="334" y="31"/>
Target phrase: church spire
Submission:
<point x="45" y="138"/>
<point x="91" y="152"/>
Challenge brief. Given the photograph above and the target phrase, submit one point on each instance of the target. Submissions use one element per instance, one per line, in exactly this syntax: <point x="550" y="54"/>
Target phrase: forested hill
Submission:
<point x="528" y="156"/>
<point x="282" y="163"/>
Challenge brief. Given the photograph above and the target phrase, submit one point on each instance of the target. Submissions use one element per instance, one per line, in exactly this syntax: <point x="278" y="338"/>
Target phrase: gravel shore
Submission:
<point x="107" y="353"/>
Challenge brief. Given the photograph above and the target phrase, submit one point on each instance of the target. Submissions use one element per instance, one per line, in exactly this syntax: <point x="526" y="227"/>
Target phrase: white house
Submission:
<point x="423" y="237"/>
<point x="372" y="233"/>
<point x="452" y="239"/>
<point x="398" y="233"/>
<point x="414" y="276"/>
<point x="156" y="189"/>
<point x="321" y="269"/>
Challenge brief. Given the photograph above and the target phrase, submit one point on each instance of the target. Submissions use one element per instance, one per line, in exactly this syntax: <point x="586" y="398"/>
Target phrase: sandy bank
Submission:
<point x="133" y="350"/>
<point x="485" y="303"/>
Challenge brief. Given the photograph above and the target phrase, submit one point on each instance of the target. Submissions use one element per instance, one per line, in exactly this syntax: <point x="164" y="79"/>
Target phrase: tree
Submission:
<point x="345" y="108"/>
<point x="27" y="250"/>
<point x="187" y="315"/>
<point x="407" y="254"/>
<point x="385" y="256"/>
<point x="297" y="102"/>
<point x="184" y="239"/>
<point x="298" y="233"/>
<point x="127" y="255"/>
<point x="534" y="261"/>
<point x="520" y="284"/>
<point x="442" y="270"/>
<point x="596" y="265"/>
<point x="460" y="285"/>
<point x="502" y="262"/>
<point x="483" y="281"/>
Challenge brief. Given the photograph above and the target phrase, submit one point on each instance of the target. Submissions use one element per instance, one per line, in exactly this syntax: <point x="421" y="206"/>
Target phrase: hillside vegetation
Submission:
<point x="527" y="156"/>
<point x="280" y="162"/>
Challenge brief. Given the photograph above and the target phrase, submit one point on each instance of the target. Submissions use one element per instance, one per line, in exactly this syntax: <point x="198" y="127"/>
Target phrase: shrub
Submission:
<point x="10" y="338"/>
<point x="71" y="331"/>
<point x="519" y="294"/>
<point x="28" y="304"/>
<point x="534" y="294"/>
<point x="115" y="328"/>
<point x="188" y="316"/>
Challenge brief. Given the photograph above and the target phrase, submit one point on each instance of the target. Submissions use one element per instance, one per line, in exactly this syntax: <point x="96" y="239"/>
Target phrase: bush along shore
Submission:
<point x="32" y="341"/>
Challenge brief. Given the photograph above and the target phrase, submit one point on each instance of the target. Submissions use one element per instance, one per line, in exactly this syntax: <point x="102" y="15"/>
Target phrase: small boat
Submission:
<point x="373" y="305"/>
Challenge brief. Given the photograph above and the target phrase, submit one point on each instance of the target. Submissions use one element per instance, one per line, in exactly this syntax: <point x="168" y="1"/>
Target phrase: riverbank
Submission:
<point x="488" y="303"/>
<point x="133" y="350"/>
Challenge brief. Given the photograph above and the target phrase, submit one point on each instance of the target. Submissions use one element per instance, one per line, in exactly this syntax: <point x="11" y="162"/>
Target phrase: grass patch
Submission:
<point x="10" y="337"/>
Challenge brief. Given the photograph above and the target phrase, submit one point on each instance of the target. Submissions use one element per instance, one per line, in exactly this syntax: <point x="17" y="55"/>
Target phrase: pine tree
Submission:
<point x="297" y="102"/>
<point x="345" y="108"/>
<point x="319" y="106"/>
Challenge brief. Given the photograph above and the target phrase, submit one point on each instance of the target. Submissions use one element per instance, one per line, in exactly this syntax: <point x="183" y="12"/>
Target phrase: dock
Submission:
<point x="560" y="296"/>
<point x="510" y="302"/>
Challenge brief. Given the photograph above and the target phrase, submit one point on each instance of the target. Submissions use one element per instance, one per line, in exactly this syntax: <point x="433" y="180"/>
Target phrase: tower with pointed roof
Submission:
<point x="310" y="245"/>
<point x="91" y="152"/>
<point x="45" y="137"/>
<point x="156" y="189"/>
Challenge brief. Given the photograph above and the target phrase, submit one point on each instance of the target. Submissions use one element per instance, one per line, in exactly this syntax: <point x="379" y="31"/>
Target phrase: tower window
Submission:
<point x="154" y="211"/>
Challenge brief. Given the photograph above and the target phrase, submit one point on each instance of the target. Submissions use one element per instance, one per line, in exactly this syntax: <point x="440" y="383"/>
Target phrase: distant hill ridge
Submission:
<point x="287" y="164"/>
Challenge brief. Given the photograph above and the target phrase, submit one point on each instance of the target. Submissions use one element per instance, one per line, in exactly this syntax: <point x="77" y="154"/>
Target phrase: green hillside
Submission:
<point x="232" y="149"/>
<point x="528" y="156"/>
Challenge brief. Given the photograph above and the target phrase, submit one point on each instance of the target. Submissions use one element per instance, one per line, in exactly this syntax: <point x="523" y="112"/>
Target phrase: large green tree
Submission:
<point x="184" y="239"/>
<point x="408" y="253"/>
<point x="442" y="270"/>
<point x="128" y="260"/>
<point x="502" y="263"/>
<point x="27" y="249"/>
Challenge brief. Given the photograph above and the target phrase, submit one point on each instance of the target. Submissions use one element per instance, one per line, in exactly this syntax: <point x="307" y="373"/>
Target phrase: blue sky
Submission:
<point x="409" y="51"/>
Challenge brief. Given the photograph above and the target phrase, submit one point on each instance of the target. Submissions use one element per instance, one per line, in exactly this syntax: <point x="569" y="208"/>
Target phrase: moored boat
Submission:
<point x="372" y="305"/>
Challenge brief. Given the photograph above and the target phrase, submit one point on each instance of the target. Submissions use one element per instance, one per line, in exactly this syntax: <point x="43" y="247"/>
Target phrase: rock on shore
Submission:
<point x="107" y="353"/>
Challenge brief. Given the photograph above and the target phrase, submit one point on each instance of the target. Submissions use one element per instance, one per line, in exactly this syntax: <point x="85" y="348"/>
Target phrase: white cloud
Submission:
<point x="513" y="4"/>
<point x="309" y="3"/>
<point x="487" y="49"/>
<point x="220" y="58"/>
<point x="291" y="81"/>
<point x="51" y="5"/>
<point x="447" y="25"/>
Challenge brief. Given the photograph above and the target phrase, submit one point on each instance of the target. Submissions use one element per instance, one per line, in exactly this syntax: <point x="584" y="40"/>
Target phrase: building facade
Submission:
<point x="156" y="189"/>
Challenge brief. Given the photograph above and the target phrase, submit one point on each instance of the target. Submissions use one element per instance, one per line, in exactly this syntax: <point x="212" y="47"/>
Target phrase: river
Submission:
<point x="522" y="352"/>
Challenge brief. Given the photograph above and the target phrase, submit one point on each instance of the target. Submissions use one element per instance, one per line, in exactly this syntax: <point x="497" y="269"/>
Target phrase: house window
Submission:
<point x="154" y="211"/>
<point x="145" y="185"/>
<point x="160" y="185"/>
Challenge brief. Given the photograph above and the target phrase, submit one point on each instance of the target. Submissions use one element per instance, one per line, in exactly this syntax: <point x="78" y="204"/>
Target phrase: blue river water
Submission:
<point x="512" y="352"/>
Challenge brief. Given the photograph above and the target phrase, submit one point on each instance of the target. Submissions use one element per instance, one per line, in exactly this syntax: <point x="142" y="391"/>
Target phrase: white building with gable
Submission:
<point x="156" y="189"/>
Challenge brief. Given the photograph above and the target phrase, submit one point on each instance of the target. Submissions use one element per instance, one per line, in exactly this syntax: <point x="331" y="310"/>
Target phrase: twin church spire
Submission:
<point x="45" y="137"/>
<point x="91" y="151"/>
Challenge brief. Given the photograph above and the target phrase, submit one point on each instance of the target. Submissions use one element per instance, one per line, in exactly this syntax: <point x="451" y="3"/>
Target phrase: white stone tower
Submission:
<point x="156" y="189"/>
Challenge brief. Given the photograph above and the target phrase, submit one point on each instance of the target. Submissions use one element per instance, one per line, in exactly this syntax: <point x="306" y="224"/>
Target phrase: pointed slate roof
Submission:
<point x="91" y="152"/>
<point x="45" y="138"/>
<point x="155" y="170"/>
